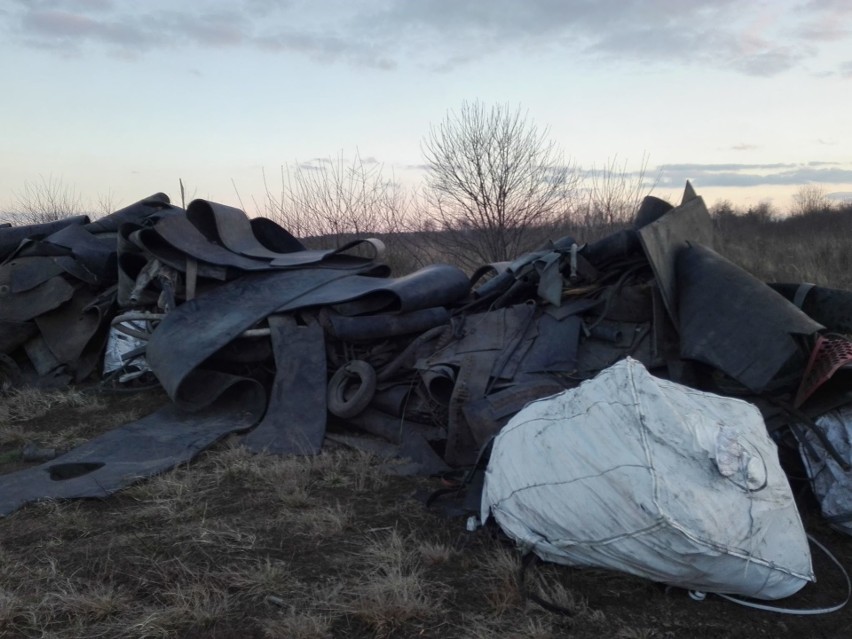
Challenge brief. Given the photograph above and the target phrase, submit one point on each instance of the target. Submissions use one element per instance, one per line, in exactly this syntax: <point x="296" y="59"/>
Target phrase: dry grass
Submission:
<point x="499" y="574"/>
<point x="26" y="404"/>
<point x="393" y="588"/>
<point x="435" y="553"/>
<point x="810" y="248"/>
<point x="298" y="625"/>
<point x="80" y="416"/>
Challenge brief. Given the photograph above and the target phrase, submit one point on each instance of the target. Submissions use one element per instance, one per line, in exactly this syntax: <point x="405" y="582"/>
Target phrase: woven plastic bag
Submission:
<point x="638" y="474"/>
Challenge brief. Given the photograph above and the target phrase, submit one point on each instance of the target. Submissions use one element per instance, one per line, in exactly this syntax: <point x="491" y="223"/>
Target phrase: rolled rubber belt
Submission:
<point x="177" y="235"/>
<point x="120" y="457"/>
<point x="373" y="327"/>
<point x="229" y="227"/>
<point x="295" y="419"/>
<point x="154" y="206"/>
<point x="829" y="306"/>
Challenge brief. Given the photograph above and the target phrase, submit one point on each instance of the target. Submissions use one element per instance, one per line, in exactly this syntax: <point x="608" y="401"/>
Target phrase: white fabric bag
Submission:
<point x="642" y="475"/>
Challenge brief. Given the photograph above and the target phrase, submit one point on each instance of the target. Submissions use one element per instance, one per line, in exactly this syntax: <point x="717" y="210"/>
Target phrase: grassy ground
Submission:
<point x="237" y="545"/>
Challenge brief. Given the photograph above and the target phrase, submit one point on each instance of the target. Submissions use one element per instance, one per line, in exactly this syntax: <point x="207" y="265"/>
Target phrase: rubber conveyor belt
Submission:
<point x="199" y="328"/>
<point x="120" y="457"/>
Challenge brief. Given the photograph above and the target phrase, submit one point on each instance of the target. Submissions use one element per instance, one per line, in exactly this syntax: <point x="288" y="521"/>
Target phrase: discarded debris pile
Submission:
<point x="250" y="332"/>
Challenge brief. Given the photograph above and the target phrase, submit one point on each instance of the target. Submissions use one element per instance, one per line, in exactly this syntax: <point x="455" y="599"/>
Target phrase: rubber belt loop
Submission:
<point x="191" y="277"/>
<point x="574" y="249"/>
<point x="801" y="294"/>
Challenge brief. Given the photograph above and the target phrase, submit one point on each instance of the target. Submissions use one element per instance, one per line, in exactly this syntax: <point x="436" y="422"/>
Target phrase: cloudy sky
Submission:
<point x="118" y="99"/>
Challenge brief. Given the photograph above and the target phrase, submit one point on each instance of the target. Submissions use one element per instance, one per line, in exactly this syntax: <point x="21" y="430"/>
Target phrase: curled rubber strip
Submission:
<point x="344" y="402"/>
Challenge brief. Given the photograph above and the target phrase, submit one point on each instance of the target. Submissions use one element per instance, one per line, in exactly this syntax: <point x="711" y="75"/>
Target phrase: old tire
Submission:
<point x="351" y="389"/>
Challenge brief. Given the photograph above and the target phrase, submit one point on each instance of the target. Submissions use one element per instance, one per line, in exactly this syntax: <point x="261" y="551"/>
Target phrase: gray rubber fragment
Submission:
<point x="295" y="420"/>
<point x="690" y="223"/>
<point x="19" y="307"/>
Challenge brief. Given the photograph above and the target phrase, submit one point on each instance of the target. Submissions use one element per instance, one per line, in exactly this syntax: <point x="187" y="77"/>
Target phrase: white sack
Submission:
<point x="642" y="475"/>
<point x="118" y="345"/>
<point x="831" y="484"/>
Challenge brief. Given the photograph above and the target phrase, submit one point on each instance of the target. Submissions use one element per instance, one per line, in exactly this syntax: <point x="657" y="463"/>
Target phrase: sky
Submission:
<point x="119" y="99"/>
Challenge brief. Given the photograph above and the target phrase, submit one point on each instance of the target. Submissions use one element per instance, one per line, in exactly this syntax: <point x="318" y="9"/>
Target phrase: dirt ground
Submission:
<point x="236" y="545"/>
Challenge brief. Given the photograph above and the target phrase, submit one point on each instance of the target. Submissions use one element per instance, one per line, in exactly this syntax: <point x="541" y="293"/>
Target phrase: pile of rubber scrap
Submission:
<point x="250" y="332"/>
<point x="57" y="294"/>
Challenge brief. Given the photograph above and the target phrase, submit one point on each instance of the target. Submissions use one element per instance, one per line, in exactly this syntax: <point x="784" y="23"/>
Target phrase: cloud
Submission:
<point x="824" y="20"/>
<point x="744" y="147"/>
<point x="745" y="175"/>
<point x="750" y="38"/>
<point x="721" y="167"/>
<point x="840" y="196"/>
<point x="72" y="27"/>
<point x="745" y="37"/>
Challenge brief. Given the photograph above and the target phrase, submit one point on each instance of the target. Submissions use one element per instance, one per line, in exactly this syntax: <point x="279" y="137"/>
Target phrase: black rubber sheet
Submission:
<point x="31" y="303"/>
<point x="125" y="455"/>
<point x="97" y="255"/>
<point x="734" y="322"/>
<point x="12" y="236"/>
<point x="295" y="419"/>
<point x="76" y="331"/>
<point x="662" y="240"/>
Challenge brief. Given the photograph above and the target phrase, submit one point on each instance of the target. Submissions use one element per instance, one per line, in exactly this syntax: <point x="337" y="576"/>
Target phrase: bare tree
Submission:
<point x="810" y="198"/>
<point x="494" y="180"/>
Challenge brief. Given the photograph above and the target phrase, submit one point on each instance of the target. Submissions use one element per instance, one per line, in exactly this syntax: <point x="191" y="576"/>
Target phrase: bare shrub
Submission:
<point x="45" y="200"/>
<point x="810" y="198"/>
<point x="334" y="200"/>
<point x="611" y="194"/>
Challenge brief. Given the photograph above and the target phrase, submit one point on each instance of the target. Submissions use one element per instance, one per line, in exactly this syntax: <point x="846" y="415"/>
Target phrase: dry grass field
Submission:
<point x="337" y="545"/>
